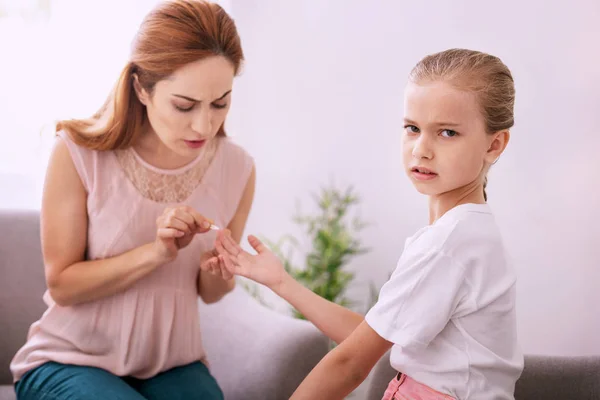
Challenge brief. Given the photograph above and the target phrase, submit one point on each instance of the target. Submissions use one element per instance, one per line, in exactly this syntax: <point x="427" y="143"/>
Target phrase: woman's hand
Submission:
<point x="175" y="229"/>
<point x="214" y="264"/>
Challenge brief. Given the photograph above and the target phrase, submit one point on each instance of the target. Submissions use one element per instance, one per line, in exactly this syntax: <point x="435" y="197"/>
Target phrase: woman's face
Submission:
<point x="187" y="109"/>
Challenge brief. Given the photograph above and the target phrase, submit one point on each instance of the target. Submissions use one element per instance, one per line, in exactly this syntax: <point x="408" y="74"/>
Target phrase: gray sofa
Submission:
<point x="254" y="352"/>
<point x="544" y="378"/>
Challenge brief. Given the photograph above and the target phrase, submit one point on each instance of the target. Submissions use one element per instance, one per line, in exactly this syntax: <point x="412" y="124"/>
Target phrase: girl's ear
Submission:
<point x="498" y="142"/>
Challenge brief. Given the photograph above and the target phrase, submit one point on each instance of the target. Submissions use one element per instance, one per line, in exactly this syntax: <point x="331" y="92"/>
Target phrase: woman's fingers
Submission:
<point x="195" y="222"/>
<point x="202" y="223"/>
<point x="182" y="214"/>
<point x="206" y="265"/>
<point x="169" y="233"/>
<point x="217" y="266"/>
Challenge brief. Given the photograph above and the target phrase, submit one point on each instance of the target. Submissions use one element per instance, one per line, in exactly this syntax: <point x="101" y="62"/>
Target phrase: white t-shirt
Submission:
<point x="449" y="308"/>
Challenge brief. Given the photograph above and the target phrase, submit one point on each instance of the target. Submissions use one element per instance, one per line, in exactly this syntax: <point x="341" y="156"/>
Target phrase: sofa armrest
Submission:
<point x="555" y="377"/>
<point x="22" y="282"/>
<point x="255" y="352"/>
<point x="544" y="377"/>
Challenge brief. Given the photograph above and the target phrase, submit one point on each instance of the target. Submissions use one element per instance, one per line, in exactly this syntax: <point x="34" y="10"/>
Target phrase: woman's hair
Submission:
<point x="480" y="73"/>
<point x="175" y="33"/>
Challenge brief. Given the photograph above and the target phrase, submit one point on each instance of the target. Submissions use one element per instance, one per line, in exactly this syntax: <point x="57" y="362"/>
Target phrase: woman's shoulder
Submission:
<point x="235" y="159"/>
<point x="75" y="147"/>
<point x="88" y="162"/>
<point x="232" y="149"/>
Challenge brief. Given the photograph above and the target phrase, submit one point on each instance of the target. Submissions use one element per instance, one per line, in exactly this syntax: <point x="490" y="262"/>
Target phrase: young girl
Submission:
<point x="448" y="310"/>
<point x="124" y="238"/>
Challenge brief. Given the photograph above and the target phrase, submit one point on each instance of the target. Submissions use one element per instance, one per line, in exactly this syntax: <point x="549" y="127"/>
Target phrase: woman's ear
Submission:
<point x="498" y="143"/>
<point x="140" y="92"/>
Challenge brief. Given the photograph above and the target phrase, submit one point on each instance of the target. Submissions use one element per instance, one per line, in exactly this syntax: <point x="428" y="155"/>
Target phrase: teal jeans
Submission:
<point x="54" y="381"/>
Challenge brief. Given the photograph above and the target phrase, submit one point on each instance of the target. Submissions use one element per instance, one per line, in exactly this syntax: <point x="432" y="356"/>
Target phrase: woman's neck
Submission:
<point x="154" y="152"/>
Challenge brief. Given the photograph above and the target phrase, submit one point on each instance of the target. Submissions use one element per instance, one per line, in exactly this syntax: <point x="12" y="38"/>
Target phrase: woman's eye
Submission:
<point x="219" y="106"/>
<point x="411" y="129"/>
<point x="183" y="109"/>
<point x="449" y="133"/>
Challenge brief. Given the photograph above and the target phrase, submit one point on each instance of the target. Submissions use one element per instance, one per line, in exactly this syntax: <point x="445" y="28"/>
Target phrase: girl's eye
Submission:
<point x="411" y="129"/>
<point x="219" y="106"/>
<point x="449" y="133"/>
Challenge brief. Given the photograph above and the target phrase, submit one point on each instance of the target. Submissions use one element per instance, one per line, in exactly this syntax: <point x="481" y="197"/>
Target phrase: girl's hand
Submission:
<point x="264" y="267"/>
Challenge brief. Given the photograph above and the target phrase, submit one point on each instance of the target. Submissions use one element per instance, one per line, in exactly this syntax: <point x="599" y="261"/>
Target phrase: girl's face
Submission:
<point x="445" y="144"/>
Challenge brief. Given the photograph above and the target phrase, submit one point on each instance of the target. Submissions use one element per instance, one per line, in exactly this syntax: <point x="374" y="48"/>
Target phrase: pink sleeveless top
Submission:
<point x="154" y="324"/>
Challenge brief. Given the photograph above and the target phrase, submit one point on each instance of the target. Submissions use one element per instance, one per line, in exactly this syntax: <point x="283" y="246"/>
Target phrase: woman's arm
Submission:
<point x="64" y="222"/>
<point x="213" y="286"/>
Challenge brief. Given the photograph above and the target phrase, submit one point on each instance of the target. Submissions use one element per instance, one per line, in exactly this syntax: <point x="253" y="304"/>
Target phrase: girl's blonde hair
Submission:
<point x="485" y="75"/>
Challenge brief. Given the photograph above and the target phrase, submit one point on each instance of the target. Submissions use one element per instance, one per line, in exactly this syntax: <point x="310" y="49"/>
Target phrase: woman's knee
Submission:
<point x="53" y="381"/>
<point x="193" y="381"/>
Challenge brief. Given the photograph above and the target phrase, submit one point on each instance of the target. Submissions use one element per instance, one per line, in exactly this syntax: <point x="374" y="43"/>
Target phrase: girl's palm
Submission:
<point x="264" y="267"/>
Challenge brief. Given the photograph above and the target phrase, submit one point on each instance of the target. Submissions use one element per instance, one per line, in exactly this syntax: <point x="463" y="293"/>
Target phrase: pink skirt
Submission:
<point x="403" y="387"/>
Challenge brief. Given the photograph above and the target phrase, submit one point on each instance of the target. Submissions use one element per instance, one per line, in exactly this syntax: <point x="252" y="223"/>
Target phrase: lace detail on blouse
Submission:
<point x="168" y="186"/>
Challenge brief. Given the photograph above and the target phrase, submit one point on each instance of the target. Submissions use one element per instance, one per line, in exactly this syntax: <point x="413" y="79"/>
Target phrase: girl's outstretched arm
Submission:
<point x="333" y="320"/>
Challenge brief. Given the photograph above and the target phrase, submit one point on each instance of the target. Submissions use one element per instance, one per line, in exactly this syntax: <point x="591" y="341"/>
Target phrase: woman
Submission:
<point x="126" y="244"/>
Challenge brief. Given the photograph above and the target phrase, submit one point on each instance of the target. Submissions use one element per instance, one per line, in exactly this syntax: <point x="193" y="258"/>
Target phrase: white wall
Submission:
<point x="321" y="96"/>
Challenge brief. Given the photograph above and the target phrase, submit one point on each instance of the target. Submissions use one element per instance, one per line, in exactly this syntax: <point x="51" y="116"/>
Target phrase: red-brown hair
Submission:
<point x="175" y="33"/>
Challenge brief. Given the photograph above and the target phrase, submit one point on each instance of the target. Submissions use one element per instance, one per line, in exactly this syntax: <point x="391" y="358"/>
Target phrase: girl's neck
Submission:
<point x="442" y="203"/>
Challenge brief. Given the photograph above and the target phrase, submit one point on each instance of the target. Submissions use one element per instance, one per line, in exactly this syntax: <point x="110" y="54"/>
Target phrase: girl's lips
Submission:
<point x="423" y="174"/>
<point x="423" y="177"/>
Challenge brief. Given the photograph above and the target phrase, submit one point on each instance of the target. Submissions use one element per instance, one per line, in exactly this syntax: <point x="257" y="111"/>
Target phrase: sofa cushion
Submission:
<point x="22" y="284"/>
<point x="553" y="377"/>
<point x="7" y="392"/>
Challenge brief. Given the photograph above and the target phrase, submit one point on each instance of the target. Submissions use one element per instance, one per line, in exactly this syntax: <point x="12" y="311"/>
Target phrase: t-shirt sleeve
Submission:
<point x="418" y="301"/>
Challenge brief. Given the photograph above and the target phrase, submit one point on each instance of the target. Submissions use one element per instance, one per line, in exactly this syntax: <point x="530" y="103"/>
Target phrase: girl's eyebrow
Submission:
<point x="453" y="124"/>
<point x="447" y="124"/>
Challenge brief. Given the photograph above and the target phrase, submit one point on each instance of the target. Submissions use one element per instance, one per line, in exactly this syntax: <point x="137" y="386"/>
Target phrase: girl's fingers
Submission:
<point x="225" y="274"/>
<point x="231" y="245"/>
<point x="224" y="251"/>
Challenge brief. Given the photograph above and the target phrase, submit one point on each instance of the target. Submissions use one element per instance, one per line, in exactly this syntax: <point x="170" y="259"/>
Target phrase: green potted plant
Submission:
<point x="332" y="232"/>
